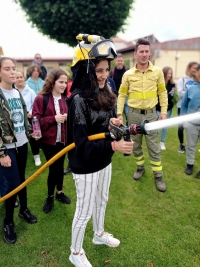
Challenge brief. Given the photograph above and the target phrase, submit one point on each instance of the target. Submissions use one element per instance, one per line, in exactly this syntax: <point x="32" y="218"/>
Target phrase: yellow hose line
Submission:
<point x="47" y="164"/>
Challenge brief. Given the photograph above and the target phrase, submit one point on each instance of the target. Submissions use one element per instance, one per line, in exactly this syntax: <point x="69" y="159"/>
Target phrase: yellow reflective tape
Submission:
<point x="157" y="168"/>
<point x="161" y="87"/>
<point x="141" y="162"/>
<point x="138" y="158"/>
<point x="143" y="95"/>
<point x="123" y="90"/>
<point x="157" y="163"/>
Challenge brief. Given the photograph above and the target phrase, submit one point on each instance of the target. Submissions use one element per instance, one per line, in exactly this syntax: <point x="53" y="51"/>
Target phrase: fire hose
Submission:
<point x="115" y="133"/>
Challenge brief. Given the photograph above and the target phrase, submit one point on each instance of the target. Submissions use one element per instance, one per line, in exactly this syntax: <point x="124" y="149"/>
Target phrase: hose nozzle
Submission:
<point x="133" y="129"/>
<point x="138" y="128"/>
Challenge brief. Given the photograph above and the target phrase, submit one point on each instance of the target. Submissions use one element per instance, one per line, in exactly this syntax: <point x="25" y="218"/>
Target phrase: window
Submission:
<point x="62" y="64"/>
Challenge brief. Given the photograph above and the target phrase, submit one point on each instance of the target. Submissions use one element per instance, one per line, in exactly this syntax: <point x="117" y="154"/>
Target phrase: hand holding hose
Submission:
<point x="123" y="146"/>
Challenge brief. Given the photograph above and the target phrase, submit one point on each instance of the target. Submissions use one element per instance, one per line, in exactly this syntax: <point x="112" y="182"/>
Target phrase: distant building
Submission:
<point x="64" y="62"/>
<point x="49" y="63"/>
<point x="119" y="42"/>
<point x="175" y="53"/>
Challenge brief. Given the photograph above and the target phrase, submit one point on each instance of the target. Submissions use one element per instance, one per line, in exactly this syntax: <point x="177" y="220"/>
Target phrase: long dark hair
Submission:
<point x="86" y="83"/>
<point x="50" y="80"/>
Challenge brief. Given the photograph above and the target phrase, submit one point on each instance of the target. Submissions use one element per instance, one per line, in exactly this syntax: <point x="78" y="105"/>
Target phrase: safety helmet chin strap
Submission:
<point x="93" y="80"/>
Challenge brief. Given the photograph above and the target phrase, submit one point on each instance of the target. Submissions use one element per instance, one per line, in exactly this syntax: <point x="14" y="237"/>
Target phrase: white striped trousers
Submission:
<point x="92" y="196"/>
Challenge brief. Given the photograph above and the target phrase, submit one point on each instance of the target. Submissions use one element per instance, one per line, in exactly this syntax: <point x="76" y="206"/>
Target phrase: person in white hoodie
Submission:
<point x="183" y="84"/>
<point x="29" y="97"/>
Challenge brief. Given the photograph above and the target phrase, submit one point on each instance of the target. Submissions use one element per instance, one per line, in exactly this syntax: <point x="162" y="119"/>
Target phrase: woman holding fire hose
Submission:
<point x="91" y="107"/>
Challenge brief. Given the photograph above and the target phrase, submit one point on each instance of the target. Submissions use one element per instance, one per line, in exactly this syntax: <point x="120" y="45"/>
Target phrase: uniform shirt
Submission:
<point x="143" y="89"/>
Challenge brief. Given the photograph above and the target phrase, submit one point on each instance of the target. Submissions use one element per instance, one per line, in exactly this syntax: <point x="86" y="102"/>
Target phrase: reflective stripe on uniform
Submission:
<point x="123" y="90"/>
<point x="161" y="87"/>
<point x="156" y="163"/>
<point x="156" y="168"/>
<point x="138" y="158"/>
<point x="142" y="95"/>
<point x="141" y="162"/>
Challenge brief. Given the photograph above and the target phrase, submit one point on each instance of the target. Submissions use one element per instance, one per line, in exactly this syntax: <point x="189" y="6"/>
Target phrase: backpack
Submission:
<point x="45" y="102"/>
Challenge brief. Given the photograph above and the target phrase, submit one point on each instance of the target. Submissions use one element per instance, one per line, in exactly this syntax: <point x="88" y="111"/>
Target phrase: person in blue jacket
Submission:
<point x="34" y="81"/>
<point x="191" y="104"/>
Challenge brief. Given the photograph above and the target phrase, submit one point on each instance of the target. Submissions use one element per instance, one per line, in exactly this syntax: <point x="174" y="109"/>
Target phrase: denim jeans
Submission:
<point x="15" y="175"/>
<point x="126" y="107"/>
<point x="164" y="130"/>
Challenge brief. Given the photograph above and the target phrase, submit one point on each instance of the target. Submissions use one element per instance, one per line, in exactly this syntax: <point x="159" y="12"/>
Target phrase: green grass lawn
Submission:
<point x="155" y="229"/>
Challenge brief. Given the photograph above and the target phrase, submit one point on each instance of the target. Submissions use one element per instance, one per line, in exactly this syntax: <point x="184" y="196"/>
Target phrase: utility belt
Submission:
<point x="143" y="111"/>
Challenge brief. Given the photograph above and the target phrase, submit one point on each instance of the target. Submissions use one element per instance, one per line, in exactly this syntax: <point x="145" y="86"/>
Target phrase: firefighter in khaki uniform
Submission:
<point x="143" y="84"/>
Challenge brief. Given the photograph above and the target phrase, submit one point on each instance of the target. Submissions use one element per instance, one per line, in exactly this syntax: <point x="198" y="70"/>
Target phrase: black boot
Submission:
<point x="48" y="204"/>
<point x="189" y="169"/>
<point x="198" y="175"/>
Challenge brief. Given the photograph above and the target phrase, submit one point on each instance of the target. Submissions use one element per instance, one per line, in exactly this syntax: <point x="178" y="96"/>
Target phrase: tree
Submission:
<point x="62" y="20"/>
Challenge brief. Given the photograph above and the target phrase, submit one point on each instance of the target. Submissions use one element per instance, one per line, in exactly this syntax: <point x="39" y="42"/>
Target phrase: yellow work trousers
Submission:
<point x="135" y="116"/>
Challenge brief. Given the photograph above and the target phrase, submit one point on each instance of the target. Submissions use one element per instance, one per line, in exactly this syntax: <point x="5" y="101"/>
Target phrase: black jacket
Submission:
<point x="117" y="74"/>
<point x="169" y="88"/>
<point x="83" y="120"/>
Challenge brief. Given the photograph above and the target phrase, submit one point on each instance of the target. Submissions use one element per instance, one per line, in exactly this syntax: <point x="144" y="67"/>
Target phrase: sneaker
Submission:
<point x="67" y="171"/>
<point x="63" y="198"/>
<point x="10" y="236"/>
<point x="37" y="160"/>
<point x="189" y="169"/>
<point x="138" y="173"/>
<point x="48" y="205"/>
<point x="106" y="239"/>
<point x="160" y="184"/>
<point x="198" y="175"/>
<point x="79" y="260"/>
<point x="181" y="149"/>
<point x="28" y="216"/>
<point x="162" y="146"/>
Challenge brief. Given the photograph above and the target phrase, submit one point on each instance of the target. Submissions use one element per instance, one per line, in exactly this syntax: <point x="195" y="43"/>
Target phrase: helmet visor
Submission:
<point x="103" y="49"/>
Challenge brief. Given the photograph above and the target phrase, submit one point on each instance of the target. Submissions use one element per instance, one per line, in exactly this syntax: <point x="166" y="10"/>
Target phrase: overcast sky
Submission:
<point x="172" y="19"/>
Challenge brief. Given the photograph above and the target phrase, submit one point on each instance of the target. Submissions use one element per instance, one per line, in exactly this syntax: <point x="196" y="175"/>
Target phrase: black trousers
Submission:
<point x="55" y="177"/>
<point x="35" y="148"/>
<point x="180" y="129"/>
<point x="15" y="175"/>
